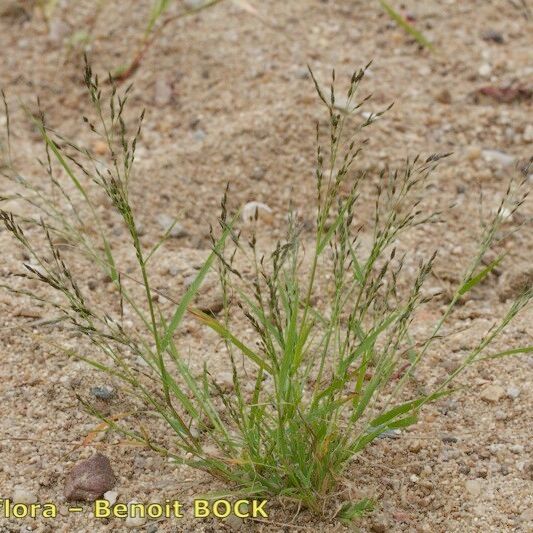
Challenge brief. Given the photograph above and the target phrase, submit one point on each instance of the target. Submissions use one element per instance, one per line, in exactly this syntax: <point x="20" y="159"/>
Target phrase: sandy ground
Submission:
<point x="228" y="100"/>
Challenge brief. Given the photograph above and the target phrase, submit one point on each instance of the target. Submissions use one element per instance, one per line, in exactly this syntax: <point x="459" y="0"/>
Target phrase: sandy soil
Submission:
<point x="228" y="100"/>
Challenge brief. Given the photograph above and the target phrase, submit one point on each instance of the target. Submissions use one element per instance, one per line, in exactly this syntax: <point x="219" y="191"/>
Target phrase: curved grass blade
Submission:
<point x="410" y="29"/>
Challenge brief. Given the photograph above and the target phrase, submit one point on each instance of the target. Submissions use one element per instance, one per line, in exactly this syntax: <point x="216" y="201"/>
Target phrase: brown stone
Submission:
<point x="100" y="148"/>
<point x="90" y="479"/>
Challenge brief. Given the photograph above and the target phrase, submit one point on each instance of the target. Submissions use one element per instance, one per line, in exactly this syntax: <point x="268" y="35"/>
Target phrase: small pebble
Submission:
<point x="493" y="393"/>
<point x="22" y="495"/>
<point x="103" y="393"/>
<point x="444" y="96"/>
<point x="517" y="449"/>
<point x="234" y="522"/>
<point x="496" y="156"/>
<point x="513" y="392"/>
<point x="141" y="229"/>
<point x="199" y="135"/>
<point x="391" y="434"/>
<point x="379" y="526"/>
<point x="432" y="291"/>
<point x="165" y="222"/>
<point x="464" y="469"/>
<point x="189" y="280"/>
<point x="480" y="510"/>
<point x="302" y="73"/>
<point x="111" y="496"/>
<point x="515" y="282"/>
<point x="492" y="35"/>
<point x="100" y="147"/>
<point x="473" y="153"/>
<point x="343" y="104"/>
<point x="485" y="70"/>
<point x="225" y="380"/>
<point x="173" y="270"/>
<point x="473" y="487"/>
<point x="506" y="214"/>
<point x="256" y="209"/>
<point x="258" y="173"/>
<point x="193" y="4"/>
<point x="500" y="415"/>
<point x="134" y="521"/>
<point x="449" y="439"/>
<point x="162" y="92"/>
<point x="416" y="446"/>
<point x="528" y="133"/>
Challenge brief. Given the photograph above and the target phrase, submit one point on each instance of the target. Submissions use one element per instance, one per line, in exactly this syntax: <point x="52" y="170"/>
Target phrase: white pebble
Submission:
<point x="528" y="133"/>
<point x="513" y="392"/>
<point x="189" y="280"/>
<point x="342" y="104"/>
<point x="166" y="222"/>
<point x="473" y="487"/>
<point x="225" y="380"/>
<point x="162" y="91"/>
<point x="134" y="521"/>
<point x="506" y="214"/>
<point x="111" y="496"/>
<point x="253" y="209"/>
<point x="22" y="495"/>
<point x="496" y="156"/>
<point x="485" y="70"/>
<point x="517" y="448"/>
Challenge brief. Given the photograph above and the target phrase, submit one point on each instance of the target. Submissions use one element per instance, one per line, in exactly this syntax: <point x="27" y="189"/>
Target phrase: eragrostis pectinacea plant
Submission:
<point x="327" y="370"/>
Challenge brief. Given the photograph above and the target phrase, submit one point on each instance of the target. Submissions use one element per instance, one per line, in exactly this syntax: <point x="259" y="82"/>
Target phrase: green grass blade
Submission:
<point x="329" y="234"/>
<point x="362" y="442"/>
<point x="405" y="408"/>
<point x="514" y="351"/>
<point x="410" y="29"/>
<point x="219" y="328"/>
<point x="478" y="278"/>
<point x="192" y="290"/>
<point x="351" y="511"/>
<point x="403" y="422"/>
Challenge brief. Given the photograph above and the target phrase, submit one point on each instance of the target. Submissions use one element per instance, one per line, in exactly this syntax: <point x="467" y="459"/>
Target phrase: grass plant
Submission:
<point x="327" y="367"/>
